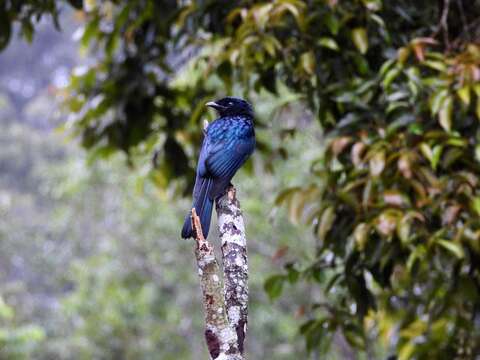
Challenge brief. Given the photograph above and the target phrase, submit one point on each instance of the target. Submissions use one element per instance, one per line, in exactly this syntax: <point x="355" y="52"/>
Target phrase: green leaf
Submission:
<point x="354" y="338"/>
<point x="414" y="329"/>
<point x="387" y="65"/>
<point x="426" y="151"/>
<point x="476" y="204"/>
<point x="377" y="163"/>
<point x="328" y="43"/>
<point x="6" y="312"/>
<point x="455" y="248"/>
<point x="477" y="152"/>
<point x="406" y="351"/>
<point x="274" y="285"/>
<point x="314" y="332"/>
<point x="418" y="254"/>
<point x="28" y="30"/>
<point x="436" y="155"/>
<point x="436" y="65"/>
<point x="360" y="235"/>
<point x="464" y="94"/>
<point x="477" y="108"/>
<point x="307" y="326"/>
<point x="390" y="76"/>
<point x="296" y="206"/>
<point x="5" y="28"/>
<point x="292" y="274"/>
<point x="402" y="54"/>
<point x="360" y="39"/>
<point x="416" y="128"/>
<point x="437" y="100"/>
<point x="307" y="61"/>
<point x="438" y="329"/>
<point x="90" y="32"/>
<point x="31" y="333"/>
<point x="326" y="222"/>
<point x="476" y="89"/>
<point x="445" y="114"/>
<point x="332" y="23"/>
<point x="286" y="194"/>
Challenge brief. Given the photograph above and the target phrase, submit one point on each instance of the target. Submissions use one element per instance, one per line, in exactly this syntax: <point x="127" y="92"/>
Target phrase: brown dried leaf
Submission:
<point x="405" y="166"/>
<point x="326" y="222"/>
<point x="425" y="40"/>
<point x="280" y="253"/>
<point x="332" y="3"/>
<point x="339" y="144"/>
<point x="403" y="229"/>
<point x="386" y="223"/>
<point x="357" y="151"/>
<point x="450" y="214"/>
<point x="360" y="235"/>
<point x="300" y="312"/>
<point x="419" y="51"/>
<point x="393" y="197"/>
<point x="434" y="191"/>
<point x="377" y="163"/>
<point x="475" y="70"/>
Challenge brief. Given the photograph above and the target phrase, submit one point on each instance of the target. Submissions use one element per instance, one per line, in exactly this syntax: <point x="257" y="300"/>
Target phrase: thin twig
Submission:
<point x="444" y="22"/>
<point x="464" y="19"/>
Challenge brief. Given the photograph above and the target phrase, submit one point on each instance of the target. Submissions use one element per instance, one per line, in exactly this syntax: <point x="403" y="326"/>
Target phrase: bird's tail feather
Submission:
<point x="203" y="206"/>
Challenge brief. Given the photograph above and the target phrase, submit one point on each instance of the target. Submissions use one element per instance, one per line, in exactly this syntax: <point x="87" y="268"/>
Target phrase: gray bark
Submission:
<point x="225" y="307"/>
<point x="235" y="262"/>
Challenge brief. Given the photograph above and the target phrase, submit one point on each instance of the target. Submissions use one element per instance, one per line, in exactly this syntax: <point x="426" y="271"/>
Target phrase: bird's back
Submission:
<point x="230" y="128"/>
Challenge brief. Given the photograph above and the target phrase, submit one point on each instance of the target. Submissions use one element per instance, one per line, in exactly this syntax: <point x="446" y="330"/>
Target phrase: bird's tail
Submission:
<point x="203" y="206"/>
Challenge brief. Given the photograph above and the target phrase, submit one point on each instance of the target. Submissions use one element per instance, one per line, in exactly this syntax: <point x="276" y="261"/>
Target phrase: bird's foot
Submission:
<point x="231" y="192"/>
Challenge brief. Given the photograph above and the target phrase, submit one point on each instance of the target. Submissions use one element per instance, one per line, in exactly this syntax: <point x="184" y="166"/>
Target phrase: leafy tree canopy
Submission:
<point x="394" y="194"/>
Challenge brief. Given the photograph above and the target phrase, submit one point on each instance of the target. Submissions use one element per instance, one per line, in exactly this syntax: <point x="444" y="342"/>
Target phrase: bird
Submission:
<point x="228" y="142"/>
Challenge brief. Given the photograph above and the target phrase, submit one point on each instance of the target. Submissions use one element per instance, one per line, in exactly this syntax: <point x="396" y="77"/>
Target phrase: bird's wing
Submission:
<point x="223" y="162"/>
<point x="209" y="148"/>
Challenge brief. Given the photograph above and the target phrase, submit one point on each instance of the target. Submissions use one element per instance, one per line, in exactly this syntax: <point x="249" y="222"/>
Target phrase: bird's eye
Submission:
<point x="230" y="103"/>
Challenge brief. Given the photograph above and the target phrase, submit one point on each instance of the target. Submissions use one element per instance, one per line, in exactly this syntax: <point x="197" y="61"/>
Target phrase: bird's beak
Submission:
<point x="214" y="105"/>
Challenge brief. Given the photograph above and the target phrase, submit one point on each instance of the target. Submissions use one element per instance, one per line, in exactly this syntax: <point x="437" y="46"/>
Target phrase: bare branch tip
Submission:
<point x="196" y="226"/>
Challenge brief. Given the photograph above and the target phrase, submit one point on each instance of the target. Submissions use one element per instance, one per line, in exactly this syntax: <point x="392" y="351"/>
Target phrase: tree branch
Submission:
<point x="225" y="309"/>
<point x="235" y="262"/>
<point x="444" y="23"/>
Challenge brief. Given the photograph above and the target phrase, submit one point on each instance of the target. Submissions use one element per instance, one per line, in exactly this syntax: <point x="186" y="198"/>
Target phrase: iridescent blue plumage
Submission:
<point x="228" y="142"/>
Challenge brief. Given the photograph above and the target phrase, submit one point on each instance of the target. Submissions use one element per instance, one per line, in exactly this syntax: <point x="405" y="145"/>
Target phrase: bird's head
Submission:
<point x="231" y="106"/>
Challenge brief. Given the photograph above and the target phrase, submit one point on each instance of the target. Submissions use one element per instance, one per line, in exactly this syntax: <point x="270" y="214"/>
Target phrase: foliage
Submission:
<point x="394" y="202"/>
<point x="394" y="194"/>
<point x="26" y="14"/>
<point x="17" y="341"/>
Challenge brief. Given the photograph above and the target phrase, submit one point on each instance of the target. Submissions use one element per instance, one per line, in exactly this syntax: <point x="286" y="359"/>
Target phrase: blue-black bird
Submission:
<point x="228" y="142"/>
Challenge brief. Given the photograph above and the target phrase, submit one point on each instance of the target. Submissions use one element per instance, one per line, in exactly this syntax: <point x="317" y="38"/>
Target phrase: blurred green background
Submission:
<point x="91" y="262"/>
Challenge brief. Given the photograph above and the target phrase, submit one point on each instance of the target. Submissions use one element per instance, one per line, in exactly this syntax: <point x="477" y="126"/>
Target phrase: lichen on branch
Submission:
<point x="226" y="307"/>
<point x="235" y="262"/>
